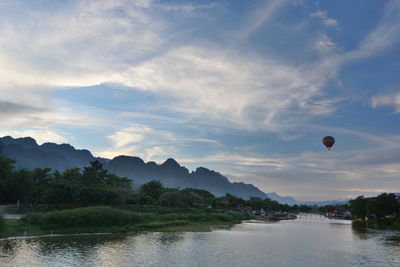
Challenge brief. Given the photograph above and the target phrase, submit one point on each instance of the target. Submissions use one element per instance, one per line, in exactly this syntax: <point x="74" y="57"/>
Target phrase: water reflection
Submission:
<point x="308" y="241"/>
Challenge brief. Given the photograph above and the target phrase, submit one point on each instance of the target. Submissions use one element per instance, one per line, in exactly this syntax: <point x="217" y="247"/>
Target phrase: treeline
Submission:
<point x="383" y="207"/>
<point x="94" y="185"/>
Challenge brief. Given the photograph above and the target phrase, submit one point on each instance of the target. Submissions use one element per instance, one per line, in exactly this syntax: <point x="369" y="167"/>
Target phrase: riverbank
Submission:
<point x="117" y="220"/>
<point x="378" y="224"/>
<point x="20" y="228"/>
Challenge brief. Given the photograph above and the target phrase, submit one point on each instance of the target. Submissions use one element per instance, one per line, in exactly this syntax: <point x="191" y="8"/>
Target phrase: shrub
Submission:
<point x="155" y="225"/>
<point x="1" y="222"/>
<point x="91" y="216"/>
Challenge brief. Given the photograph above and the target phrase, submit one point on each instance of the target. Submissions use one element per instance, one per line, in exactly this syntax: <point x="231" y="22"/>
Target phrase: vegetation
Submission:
<point x="93" y="199"/>
<point x="383" y="210"/>
<point x="95" y="186"/>
<point x="1" y="223"/>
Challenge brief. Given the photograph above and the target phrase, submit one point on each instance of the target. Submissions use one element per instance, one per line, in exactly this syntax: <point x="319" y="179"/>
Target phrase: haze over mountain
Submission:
<point x="28" y="154"/>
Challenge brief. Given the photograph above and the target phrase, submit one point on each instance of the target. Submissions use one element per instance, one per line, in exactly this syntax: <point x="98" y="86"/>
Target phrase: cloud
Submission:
<point x="147" y="154"/>
<point x="384" y="36"/>
<point x="185" y="8"/>
<point x="387" y="100"/>
<point x="203" y="82"/>
<point x="131" y="135"/>
<point x="260" y="16"/>
<point x="325" y="45"/>
<point x="40" y="135"/>
<point x="121" y="42"/>
<point x="324" y="18"/>
<point x="8" y="108"/>
<point x="149" y="143"/>
<point x="226" y="86"/>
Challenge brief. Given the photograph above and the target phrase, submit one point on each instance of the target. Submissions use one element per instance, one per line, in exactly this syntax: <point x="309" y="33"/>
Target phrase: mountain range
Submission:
<point x="28" y="154"/>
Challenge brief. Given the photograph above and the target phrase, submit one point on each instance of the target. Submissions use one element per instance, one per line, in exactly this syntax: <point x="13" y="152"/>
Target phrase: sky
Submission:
<point x="247" y="88"/>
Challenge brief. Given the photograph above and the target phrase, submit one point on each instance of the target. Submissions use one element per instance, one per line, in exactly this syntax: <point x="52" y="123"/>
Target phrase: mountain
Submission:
<point x="282" y="199"/>
<point x="171" y="174"/>
<point x="28" y="154"/>
<point x="325" y="203"/>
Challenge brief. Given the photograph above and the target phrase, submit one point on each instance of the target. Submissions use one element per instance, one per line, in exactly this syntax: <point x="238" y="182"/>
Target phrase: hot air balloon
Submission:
<point x="328" y="141"/>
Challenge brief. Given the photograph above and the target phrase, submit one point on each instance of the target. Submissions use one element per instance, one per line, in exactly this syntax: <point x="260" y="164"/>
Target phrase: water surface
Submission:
<point x="307" y="241"/>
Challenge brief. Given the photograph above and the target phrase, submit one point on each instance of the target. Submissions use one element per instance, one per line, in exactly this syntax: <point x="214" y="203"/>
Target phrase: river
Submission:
<point x="311" y="240"/>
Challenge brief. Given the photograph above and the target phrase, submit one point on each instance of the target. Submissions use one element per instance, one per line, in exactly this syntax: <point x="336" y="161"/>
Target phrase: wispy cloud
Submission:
<point x="149" y="143"/>
<point x="326" y="20"/>
<point x="387" y="100"/>
<point x="260" y="16"/>
<point x="383" y="37"/>
<point x="209" y="84"/>
<point x="40" y="135"/>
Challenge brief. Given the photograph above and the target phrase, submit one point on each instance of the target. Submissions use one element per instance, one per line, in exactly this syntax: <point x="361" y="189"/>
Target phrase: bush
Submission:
<point x="155" y="225"/>
<point x="1" y="222"/>
<point x="91" y="216"/>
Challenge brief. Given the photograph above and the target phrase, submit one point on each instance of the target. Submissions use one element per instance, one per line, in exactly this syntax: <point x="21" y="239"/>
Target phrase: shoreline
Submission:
<point x="15" y="228"/>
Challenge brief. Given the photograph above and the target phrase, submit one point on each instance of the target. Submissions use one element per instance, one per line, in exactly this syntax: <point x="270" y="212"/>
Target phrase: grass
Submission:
<point x="15" y="227"/>
<point x="104" y="219"/>
<point x="1" y="222"/>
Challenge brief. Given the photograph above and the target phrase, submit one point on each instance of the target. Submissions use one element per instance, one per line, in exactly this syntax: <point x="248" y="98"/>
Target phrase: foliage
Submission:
<point x="1" y="222"/>
<point x="154" y="189"/>
<point x="90" y="216"/>
<point x="381" y="207"/>
<point x="94" y="186"/>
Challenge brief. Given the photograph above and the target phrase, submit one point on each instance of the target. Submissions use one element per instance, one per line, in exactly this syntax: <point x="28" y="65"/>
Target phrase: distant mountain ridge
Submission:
<point x="28" y="154"/>
<point x="325" y="203"/>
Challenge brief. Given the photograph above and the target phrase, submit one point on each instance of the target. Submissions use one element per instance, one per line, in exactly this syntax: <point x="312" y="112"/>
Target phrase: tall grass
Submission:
<point x="1" y="222"/>
<point x="108" y="216"/>
<point x="81" y="217"/>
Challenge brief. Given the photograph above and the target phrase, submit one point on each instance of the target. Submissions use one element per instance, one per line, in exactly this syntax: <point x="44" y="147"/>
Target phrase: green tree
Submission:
<point x="386" y="204"/>
<point x="60" y="192"/>
<point x="371" y="207"/>
<point x="20" y="186"/>
<point x="72" y="175"/>
<point x="154" y="189"/>
<point x="172" y="198"/>
<point x="41" y="178"/>
<point x="93" y="175"/>
<point x="6" y="167"/>
<point x="256" y="203"/>
<point x="197" y="197"/>
<point x="358" y="207"/>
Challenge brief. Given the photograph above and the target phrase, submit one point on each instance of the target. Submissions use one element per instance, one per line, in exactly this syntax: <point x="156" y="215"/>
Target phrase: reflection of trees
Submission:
<point x="80" y="243"/>
<point x="360" y="231"/>
<point x="170" y="237"/>
<point x="9" y="246"/>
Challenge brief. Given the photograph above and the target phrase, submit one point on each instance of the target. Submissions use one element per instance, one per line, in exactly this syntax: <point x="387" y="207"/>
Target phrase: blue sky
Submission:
<point x="247" y="88"/>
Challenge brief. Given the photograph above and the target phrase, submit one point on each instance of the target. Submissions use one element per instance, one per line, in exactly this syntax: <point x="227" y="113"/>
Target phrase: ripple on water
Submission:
<point x="303" y="242"/>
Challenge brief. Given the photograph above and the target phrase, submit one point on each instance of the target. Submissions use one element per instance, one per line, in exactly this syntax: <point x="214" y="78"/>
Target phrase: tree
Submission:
<point x="256" y="203"/>
<point x="197" y="197"/>
<point x="371" y="207"/>
<point x="153" y="188"/>
<point x="172" y="198"/>
<point x="62" y="193"/>
<point x="6" y="167"/>
<point x="93" y="175"/>
<point x="20" y="186"/>
<point x="358" y="207"/>
<point x="41" y="178"/>
<point x="72" y="175"/>
<point x="386" y="204"/>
